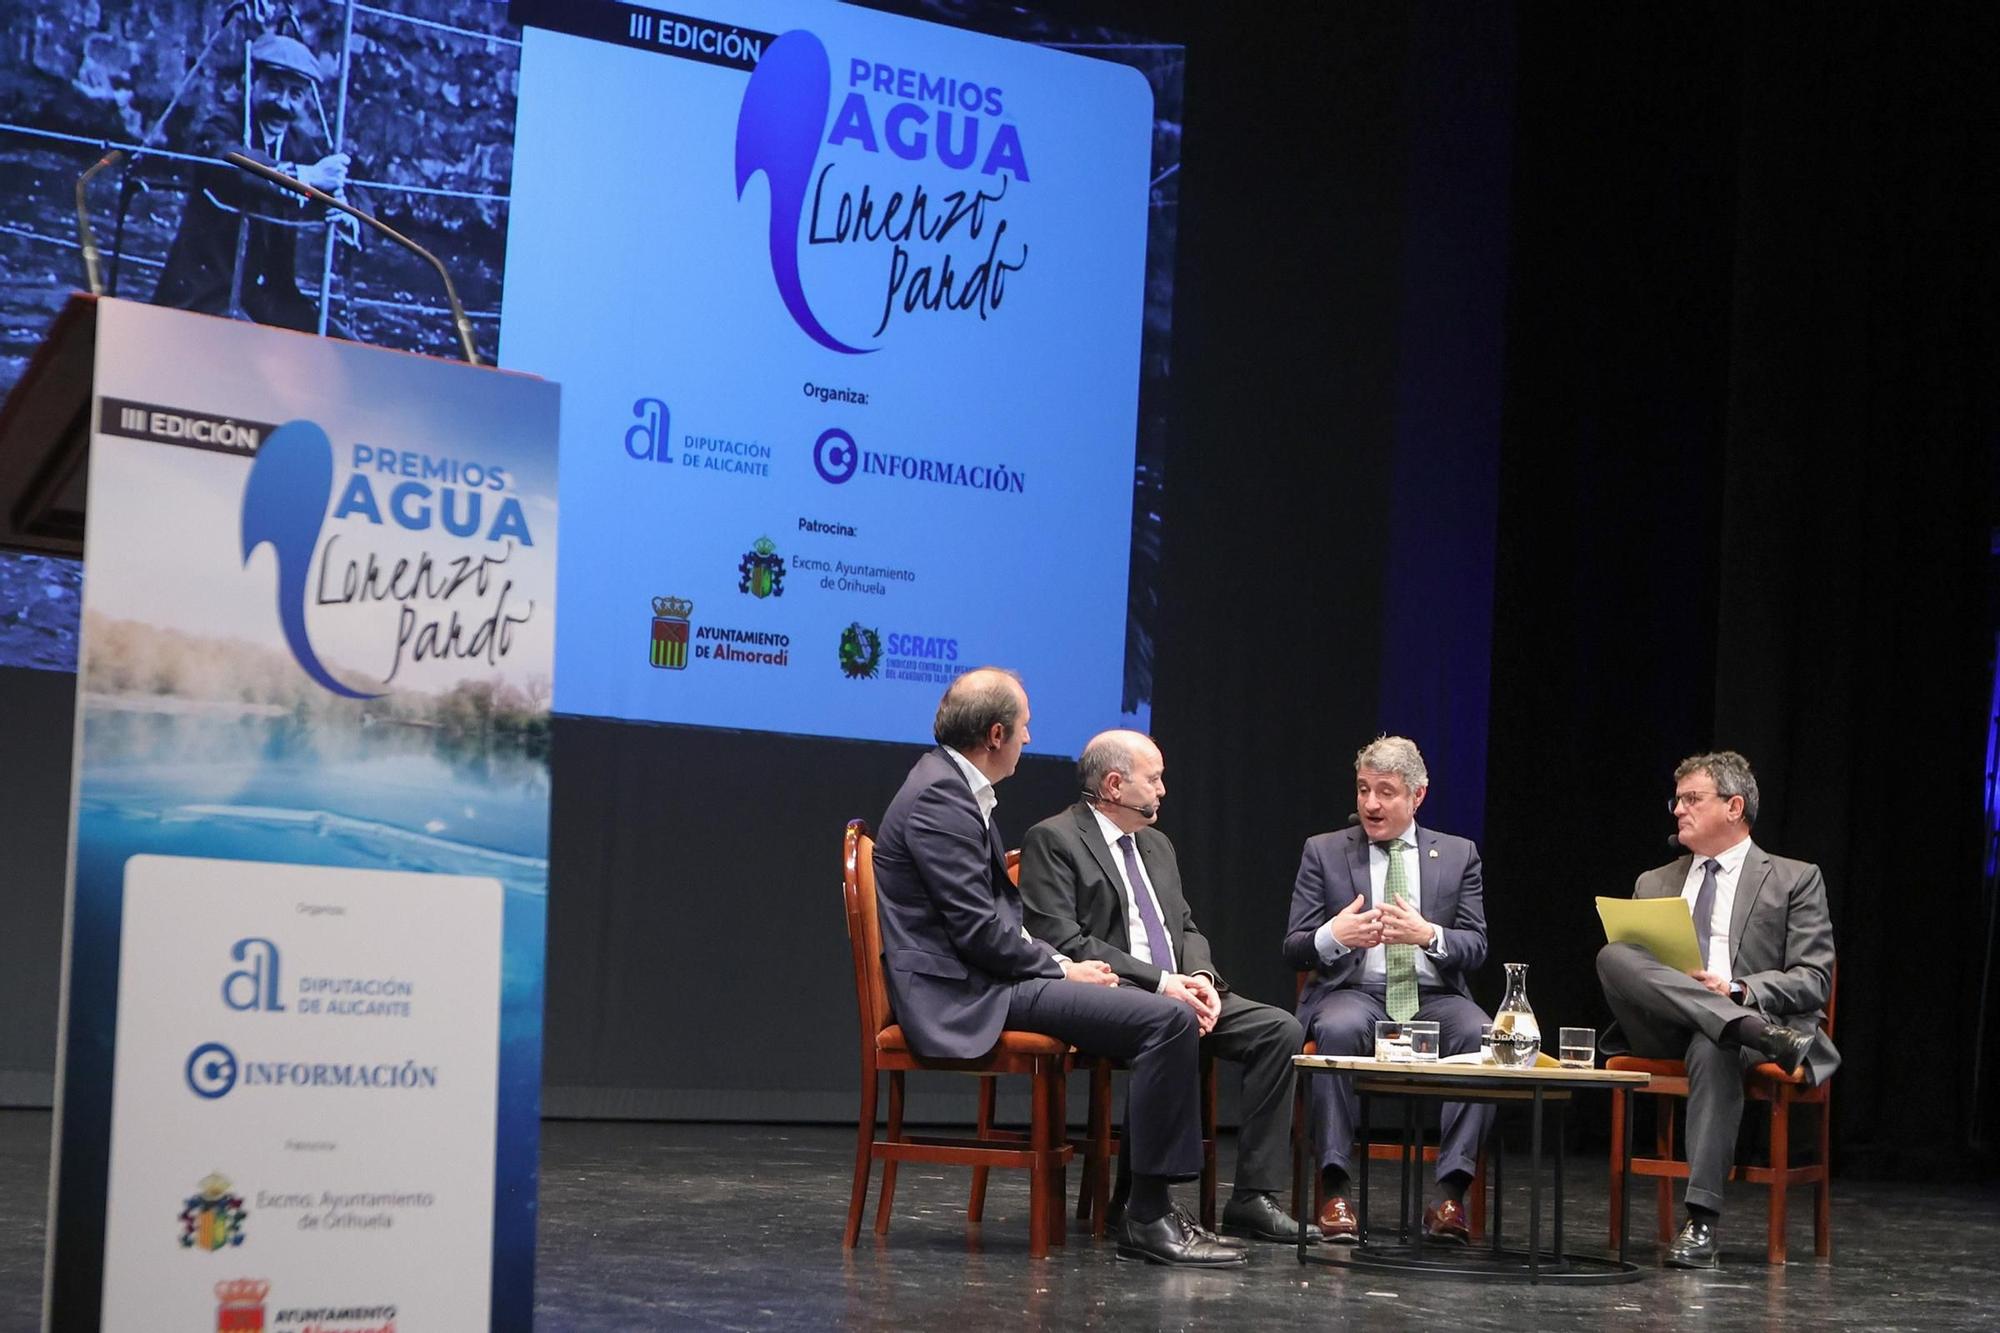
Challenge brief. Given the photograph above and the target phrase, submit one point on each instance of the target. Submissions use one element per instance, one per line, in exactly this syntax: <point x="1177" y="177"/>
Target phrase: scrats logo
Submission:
<point x="920" y="117"/>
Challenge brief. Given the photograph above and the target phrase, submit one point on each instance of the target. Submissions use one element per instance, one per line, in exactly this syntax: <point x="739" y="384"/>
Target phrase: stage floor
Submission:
<point x="649" y="1226"/>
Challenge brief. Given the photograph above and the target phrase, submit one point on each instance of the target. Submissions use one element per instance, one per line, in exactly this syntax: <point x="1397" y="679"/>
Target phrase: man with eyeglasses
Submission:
<point x="1767" y="949"/>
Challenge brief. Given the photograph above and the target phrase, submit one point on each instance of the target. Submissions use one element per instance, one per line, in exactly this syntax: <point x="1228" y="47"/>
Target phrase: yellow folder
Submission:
<point x="1663" y="927"/>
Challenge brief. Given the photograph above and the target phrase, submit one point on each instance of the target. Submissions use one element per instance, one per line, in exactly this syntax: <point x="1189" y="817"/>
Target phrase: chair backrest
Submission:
<point x="1832" y="994"/>
<point x="864" y="931"/>
<point x="1014" y="865"/>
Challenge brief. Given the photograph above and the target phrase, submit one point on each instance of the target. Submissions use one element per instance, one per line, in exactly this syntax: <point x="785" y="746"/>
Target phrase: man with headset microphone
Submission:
<point x="1100" y="883"/>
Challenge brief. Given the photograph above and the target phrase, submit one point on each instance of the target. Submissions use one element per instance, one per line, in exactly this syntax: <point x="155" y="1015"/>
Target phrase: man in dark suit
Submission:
<point x="228" y="208"/>
<point x="1100" y="882"/>
<point x="960" y="968"/>
<point x="1767" y="948"/>
<point x="1389" y="919"/>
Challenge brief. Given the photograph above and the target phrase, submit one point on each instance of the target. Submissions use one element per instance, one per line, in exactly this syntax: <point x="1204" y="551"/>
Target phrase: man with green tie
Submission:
<point x="1389" y="919"/>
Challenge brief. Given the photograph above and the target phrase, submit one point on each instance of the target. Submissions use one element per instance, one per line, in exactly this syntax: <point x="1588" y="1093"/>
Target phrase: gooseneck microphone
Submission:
<point x="1143" y="811"/>
<point x="86" y="239"/>
<point x="321" y="197"/>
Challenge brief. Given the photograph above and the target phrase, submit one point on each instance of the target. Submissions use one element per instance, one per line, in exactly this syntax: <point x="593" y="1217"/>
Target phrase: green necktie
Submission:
<point x="1399" y="960"/>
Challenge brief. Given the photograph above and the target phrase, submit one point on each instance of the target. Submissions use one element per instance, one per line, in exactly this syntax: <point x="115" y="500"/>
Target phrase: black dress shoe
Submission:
<point x="1694" y="1247"/>
<point x="1260" y="1218"/>
<point x="1193" y="1227"/>
<point x="1169" y="1240"/>
<point x="1786" y="1047"/>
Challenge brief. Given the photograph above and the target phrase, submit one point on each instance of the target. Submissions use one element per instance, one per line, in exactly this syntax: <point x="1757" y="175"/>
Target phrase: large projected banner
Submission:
<point x="300" y="1084"/>
<point x="847" y="312"/>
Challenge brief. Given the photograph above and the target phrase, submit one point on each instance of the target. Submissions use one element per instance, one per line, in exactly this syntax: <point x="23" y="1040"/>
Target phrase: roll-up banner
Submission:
<point x="308" y="890"/>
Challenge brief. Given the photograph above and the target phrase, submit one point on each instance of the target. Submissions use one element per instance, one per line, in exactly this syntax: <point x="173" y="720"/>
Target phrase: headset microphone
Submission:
<point x="1143" y="811"/>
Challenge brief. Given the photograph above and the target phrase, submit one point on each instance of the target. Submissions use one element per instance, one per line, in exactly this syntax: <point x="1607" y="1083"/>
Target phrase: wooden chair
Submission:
<point x="1100" y="1142"/>
<point x="1765" y="1083"/>
<point x="885" y="1049"/>
<point x="1375" y="1151"/>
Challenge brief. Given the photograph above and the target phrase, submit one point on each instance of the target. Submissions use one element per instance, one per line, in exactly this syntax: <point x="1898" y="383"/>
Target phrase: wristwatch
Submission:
<point x="1738" y="992"/>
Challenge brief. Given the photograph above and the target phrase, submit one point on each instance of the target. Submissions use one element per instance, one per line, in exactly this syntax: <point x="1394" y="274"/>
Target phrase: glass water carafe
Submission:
<point x="1517" y="1038"/>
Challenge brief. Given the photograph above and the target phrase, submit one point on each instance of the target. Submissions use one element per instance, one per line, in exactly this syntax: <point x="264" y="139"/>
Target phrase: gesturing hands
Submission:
<point x="1357" y="925"/>
<point x="1197" y="993"/>
<point x="1403" y="924"/>
<point x="1090" y="972"/>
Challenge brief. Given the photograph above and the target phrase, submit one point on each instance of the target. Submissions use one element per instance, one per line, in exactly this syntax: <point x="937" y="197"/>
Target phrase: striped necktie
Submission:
<point x="1399" y="960"/>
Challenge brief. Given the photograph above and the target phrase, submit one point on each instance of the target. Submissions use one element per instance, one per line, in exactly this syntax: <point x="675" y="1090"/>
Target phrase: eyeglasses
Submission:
<point x="1690" y="799"/>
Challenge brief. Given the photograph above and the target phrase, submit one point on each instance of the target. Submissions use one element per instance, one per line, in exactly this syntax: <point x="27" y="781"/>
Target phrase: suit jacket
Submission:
<point x="1780" y="940"/>
<point x="1076" y="900"/>
<point x="1333" y="871"/>
<point x="951" y="919"/>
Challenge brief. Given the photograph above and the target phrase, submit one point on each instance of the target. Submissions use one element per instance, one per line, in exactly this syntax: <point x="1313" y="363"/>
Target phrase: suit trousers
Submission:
<point x="1342" y="1022"/>
<point x="1160" y="1042"/>
<point x="1665" y="1014"/>
<point x="1262" y="1039"/>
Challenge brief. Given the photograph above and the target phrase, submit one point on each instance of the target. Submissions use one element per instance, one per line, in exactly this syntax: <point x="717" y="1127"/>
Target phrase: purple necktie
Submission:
<point x="1704" y="907"/>
<point x="1156" y="934"/>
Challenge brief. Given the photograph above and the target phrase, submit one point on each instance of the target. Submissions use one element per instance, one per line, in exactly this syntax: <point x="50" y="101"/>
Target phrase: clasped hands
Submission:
<point x="1195" y="991"/>
<point x="1359" y="926"/>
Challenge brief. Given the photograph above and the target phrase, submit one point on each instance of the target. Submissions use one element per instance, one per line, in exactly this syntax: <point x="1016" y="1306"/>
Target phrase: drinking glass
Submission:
<point x="1578" y="1048"/>
<point x="1392" y="1041"/>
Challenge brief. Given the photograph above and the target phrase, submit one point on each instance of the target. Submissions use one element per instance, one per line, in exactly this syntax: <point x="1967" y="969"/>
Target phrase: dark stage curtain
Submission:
<point x="1331" y="501"/>
<point x="1745" y="498"/>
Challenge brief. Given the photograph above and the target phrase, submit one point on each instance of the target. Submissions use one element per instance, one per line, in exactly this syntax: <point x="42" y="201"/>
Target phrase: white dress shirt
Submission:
<point x="1729" y="874"/>
<point x="1374" y="964"/>
<point x="982" y="786"/>
<point x="1135" y="927"/>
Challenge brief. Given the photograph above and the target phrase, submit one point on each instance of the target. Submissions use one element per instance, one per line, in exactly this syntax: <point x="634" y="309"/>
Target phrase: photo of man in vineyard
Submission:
<point x="236" y="251"/>
<point x="408" y="115"/>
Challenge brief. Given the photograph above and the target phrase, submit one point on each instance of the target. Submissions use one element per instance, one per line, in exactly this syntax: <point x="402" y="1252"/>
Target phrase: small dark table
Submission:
<point x="1413" y="1083"/>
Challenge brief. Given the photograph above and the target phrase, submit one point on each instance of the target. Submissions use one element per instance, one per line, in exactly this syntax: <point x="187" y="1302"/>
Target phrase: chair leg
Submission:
<point x="1058" y="1191"/>
<point x="975" y="1208"/>
<point x="1208" y="1143"/>
<point x="864" y="1159"/>
<point x="1617" y="1156"/>
<point x="1098" y="1171"/>
<point x="1781" y="1161"/>
<point x="1086" y="1187"/>
<point x="1823" y="1187"/>
<point x="1039" y="1132"/>
<point x="889" y="1168"/>
<point x="1663" y="1148"/>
